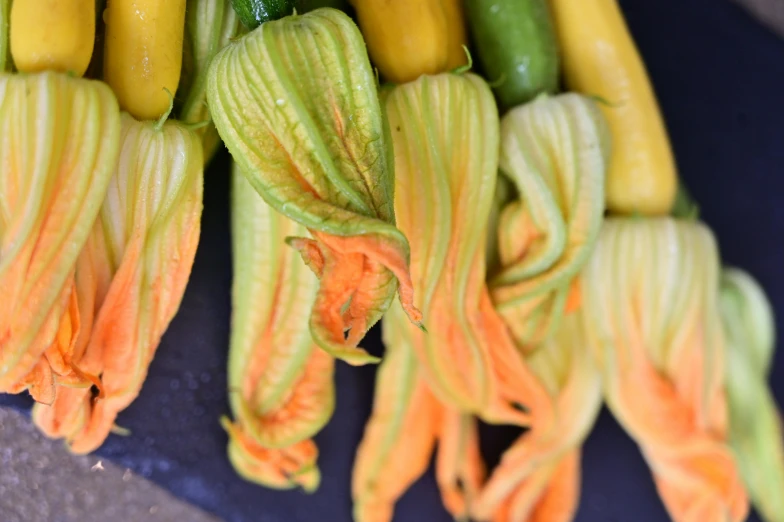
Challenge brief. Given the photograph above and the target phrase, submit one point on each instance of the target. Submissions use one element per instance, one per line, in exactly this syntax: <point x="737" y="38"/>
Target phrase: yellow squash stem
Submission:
<point x="280" y="383"/>
<point x="409" y="38"/>
<point x="538" y="478"/>
<point x="445" y="136"/>
<point x="295" y="102"/>
<point x="600" y="59"/>
<point x="59" y="141"/>
<point x="5" y="53"/>
<point x="143" y="53"/>
<point x="555" y="150"/>
<point x="651" y="317"/>
<point x="755" y="430"/>
<point x="150" y="223"/>
<point x="55" y="35"/>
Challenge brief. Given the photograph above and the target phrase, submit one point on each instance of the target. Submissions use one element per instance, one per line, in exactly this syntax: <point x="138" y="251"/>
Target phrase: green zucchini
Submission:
<point x="253" y="13"/>
<point x="304" y="6"/>
<point x="516" y="45"/>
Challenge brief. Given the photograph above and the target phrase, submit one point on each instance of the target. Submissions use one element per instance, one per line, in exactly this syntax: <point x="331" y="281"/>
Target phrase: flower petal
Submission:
<point x="295" y="102"/>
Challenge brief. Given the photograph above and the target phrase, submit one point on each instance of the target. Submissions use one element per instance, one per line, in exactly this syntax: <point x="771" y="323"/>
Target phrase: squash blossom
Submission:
<point x="401" y="433"/>
<point x="539" y="476"/>
<point x="406" y="426"/>
<point x="150" y="222"/>
<point x="755" y="431"/>
<point x="209" y="26"/>
<point x="67" y="417"/>
<point x="280" y="384"/>
<point x="651" y="315"/>
<point x="445" y="136"/>
<point x="460" y="470"/>
<point x="555" y="150"/>
<point x="295" y="102"/>
<point x="59" y="138"/>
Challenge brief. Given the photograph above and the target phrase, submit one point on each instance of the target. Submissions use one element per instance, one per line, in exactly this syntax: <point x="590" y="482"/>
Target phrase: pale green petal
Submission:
<point x="270" y="345"/>
<point x="755" y="421"/>
<point x="555" y="150"/>
<point x="59" y="140"/>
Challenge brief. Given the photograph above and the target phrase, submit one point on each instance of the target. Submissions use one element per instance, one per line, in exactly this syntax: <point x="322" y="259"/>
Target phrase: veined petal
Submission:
<point x="59" y="139"/>
<point x="538" y="477"/>
<point x="150" y="220"/>
<point x="460" y="470"/>
<point x="295" y="102"/>
<point x="401" y="433"/>
<point x="650" y="306"/>
<point x="755" y="431"/>
<point x="209" y="27"/>
<point x="555" y="150"/>
<point x="445" y="136"/>
<point x="281" y="386"/>
<point x="70" y="412"/>
<point x="282" y="468"/>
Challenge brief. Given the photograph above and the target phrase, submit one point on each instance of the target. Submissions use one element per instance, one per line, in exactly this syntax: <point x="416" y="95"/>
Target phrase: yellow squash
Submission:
<point x="143" y="53"/>
<point x="600" y="59"/>
<point x="409" y="38"/>
<point x="52" y="34"/>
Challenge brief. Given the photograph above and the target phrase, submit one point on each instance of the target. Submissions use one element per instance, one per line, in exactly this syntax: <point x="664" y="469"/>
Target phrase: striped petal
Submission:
<point x="555" y="150"/>
<point x="445" y="136"/>
<point x="150" y="220"/>
<point x="538" y="477"/>
<point x="650" y="297"/>
<point x="755" y="431"/>
<point x="295" y="102"/>
<point x="281" y="388"/>
<point x="59" y="139"/>
<point x="401" y="433"/>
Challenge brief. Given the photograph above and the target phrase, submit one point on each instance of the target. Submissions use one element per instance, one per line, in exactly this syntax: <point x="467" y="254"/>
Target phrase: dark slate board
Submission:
<point x="718" y="75"/>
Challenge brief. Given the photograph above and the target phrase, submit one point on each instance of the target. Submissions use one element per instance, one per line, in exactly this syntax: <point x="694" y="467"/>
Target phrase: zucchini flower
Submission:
<point x="280" y="384"/>
<point x="68" y="415"/>
<point x="445" y="136"/>
<point x="295" y="102"/>
<point x="401" y="433"/>
<point x="406" y="425"/>
<point x="460" y="470"/>
<point x="150" y="222"/>
<point x="539" y="476"/>
<point x="555" y="150"/>
<point x="651" y="315"/>
<point x="59" y="139"/>
<point x="755" y="431"/>
<point x="209" y="27"/>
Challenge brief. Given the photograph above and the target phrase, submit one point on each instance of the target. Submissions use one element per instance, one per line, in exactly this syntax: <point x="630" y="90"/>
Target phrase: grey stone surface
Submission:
<point x="41" y="482"/>
<point x="769" y="12"/>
